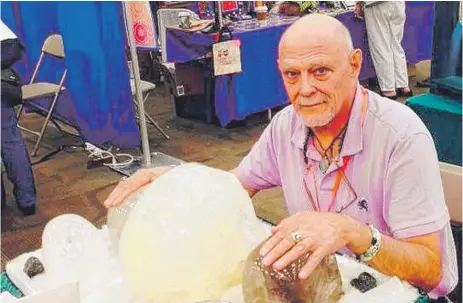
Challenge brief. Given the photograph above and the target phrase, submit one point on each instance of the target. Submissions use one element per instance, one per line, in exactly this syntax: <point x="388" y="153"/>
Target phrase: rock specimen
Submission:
<point x="264" y="284"/>
<point x="33" y="267"/>
<point x="364" y="282"/>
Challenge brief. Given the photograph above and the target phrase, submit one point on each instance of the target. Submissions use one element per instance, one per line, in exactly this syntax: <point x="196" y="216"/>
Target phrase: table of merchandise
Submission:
<point x="259" y="86"/>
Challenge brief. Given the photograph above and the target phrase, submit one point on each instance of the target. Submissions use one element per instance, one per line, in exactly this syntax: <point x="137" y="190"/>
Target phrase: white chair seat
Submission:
<point x="39" y="90"/>
<point x="145" y="86"/>
<point x="451" y="181"/>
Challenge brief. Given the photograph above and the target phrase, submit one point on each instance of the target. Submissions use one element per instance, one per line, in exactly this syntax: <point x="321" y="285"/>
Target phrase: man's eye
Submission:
<point x="320" y="71"/>
<point x="291" y="74"/>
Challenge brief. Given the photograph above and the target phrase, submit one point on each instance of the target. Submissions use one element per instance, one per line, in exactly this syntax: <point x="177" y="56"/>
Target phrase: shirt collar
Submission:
<point x="353" y="140"/>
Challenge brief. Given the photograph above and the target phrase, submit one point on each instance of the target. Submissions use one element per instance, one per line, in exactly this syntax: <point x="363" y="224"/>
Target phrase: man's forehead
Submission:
<point x="309" y="59"/>
<point x="309" y="37"/>
<point x="309" y="52"/>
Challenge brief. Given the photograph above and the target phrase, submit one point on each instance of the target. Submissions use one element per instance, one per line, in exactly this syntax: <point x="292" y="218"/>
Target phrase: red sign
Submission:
<point x="228" y="6"/>
<point x="143" y="24"/>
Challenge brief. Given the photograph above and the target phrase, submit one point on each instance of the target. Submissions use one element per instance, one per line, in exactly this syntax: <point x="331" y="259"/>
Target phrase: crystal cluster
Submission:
<point x="265" y="284"/>
<point x="75" y="250"/>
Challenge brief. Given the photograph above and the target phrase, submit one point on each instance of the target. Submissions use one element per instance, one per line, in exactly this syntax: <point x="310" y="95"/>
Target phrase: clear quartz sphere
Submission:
<point x="185" y="236"/>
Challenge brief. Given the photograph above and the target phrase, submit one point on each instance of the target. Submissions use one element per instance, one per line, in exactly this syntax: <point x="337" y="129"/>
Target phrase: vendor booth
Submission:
<point x="105" y="116"/>
<point x="100" y="93"/>
<point x="98" y="98"/>
<point x="258" y="87"/>
<point x="441" y="109"/>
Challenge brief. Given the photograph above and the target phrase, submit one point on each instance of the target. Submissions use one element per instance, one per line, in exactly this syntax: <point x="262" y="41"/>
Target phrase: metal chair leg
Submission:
<point x="150" y="120"/>
<point x="157" y="126"/>
<point x="18" y="116"/>
<point x="20" y="111"/>
<point x="44" y="126"/>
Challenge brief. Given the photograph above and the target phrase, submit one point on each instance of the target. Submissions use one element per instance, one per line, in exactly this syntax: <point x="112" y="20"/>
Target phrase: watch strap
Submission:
<point x="375" y="245"/>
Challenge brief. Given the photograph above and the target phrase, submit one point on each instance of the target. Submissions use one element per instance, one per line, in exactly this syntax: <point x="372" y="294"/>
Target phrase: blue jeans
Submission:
<point x="16" y="160"/>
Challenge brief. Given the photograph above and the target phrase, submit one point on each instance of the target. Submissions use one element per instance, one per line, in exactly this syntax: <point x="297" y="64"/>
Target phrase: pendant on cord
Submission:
<point x="324" y="164"/>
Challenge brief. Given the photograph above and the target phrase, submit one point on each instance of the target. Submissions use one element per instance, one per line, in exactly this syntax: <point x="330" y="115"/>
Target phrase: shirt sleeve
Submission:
<point x="415" y="204"/>
<point x="414" y="197"/>
<point x="259" y="168"/>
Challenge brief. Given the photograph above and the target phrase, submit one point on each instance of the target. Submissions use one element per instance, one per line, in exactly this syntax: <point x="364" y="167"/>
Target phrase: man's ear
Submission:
<point x="355" y="62"/>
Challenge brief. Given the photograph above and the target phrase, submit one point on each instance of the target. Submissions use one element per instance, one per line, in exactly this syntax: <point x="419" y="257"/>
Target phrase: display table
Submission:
<point x="259" y="86"/>
<point x="390" y="287"/>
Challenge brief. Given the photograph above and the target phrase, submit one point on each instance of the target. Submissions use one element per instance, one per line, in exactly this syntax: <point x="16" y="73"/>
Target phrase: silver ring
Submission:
<point x="296" y="237"/>
<point x="123" y="178"/>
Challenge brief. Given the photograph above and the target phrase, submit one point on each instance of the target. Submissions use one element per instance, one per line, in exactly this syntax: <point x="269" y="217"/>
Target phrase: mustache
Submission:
<point x="303" y="101"/>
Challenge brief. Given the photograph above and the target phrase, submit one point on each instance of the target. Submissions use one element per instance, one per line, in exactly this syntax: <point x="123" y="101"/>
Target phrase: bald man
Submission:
<point x="359" y="173"/>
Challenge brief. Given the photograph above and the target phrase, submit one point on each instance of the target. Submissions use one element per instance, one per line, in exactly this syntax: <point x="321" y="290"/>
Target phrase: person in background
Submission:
<point x="13" y="149"/>
<point x="385" y="22"/>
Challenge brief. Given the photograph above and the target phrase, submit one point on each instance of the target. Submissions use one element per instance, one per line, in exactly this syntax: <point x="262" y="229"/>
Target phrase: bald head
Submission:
<point x="319" y="68"/>
<point x="317" y="29"/>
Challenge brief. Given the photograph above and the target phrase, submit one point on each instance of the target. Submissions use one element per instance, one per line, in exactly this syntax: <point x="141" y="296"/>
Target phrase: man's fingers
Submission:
<point x="271" y="242"/>
<point x="119" y="194"/>
<point x="314" y="259"/>
<point x="274" y="229"/>
<point x="297" y="251"/>
<point x="128" y="186"/>
<point x="282" y="246"/>
<point x="125" y="188"/>
<point x="156" y="172"/>
<point x="113" y="197"/>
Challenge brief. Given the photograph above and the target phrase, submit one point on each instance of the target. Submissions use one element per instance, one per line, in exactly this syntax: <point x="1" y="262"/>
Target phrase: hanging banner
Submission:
<point x="143" y="24"/>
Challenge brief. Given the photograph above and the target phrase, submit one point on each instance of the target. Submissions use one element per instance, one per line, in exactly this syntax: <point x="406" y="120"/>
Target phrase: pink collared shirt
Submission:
<point x="393" y="170"/>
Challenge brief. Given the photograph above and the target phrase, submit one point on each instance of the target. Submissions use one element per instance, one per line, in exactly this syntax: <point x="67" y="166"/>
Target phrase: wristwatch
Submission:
<point x="375" y="245"/>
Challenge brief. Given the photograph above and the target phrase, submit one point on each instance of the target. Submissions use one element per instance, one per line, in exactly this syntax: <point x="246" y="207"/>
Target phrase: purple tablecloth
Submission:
<point x="259" y="86"/>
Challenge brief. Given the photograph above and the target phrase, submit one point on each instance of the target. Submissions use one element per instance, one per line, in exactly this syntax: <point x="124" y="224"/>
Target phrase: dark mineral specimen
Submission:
<point x="264" y="284"/>
<point x="364" y="282"/>
<point x="33" y="267"/>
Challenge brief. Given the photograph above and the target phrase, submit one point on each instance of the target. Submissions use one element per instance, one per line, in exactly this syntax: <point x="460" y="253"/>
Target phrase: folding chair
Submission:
<point x="146" y="89"/>
<point x="53" y="46"/>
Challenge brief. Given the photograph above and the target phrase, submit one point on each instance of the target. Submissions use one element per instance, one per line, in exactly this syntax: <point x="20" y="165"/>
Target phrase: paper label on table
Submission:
<point x="227" y="57"/>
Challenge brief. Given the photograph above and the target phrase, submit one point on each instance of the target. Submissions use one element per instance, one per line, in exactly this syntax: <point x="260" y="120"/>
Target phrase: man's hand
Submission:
<point x="130" y="185"/>
<point x="321" y="234"/>
<point x="416" y="260"/>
